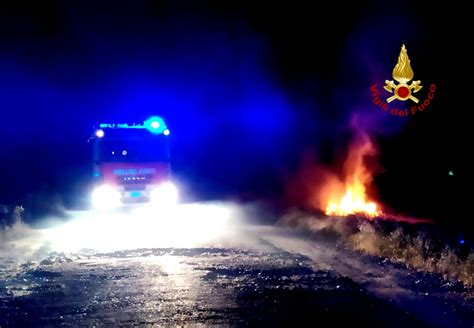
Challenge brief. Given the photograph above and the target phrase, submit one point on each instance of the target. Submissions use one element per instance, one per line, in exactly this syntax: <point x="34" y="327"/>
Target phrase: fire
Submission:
<point x="350" y="204"/>
<point x="349" y="196"/>
<point x="339" y="191"/>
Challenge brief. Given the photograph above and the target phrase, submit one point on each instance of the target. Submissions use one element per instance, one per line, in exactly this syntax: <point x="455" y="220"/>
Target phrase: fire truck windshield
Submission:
<point x="137" y="150"/>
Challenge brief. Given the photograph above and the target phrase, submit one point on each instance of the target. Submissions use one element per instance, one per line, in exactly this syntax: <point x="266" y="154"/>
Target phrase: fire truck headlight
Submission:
<point x="105" y="197"/>
<point x="164" y="194"/>
<point x="99" y="133"/>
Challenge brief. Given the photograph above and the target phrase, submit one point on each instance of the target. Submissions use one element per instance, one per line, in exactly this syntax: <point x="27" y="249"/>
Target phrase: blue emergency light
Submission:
<point x="154" y="124"/>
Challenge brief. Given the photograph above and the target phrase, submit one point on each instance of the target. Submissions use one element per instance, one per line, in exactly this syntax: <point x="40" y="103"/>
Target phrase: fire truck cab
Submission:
<point x="131" y="164"/>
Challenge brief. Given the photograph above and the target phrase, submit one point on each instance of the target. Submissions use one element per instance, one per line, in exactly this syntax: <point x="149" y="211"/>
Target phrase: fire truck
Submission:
<point x="131" y="164"/>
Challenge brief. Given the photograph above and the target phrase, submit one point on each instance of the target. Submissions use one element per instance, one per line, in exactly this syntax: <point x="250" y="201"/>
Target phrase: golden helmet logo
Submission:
<point x="403" y="74"/>
<point x="404" y="90"/>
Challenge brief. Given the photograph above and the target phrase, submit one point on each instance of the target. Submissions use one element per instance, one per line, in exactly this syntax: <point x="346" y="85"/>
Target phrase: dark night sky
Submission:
<point x="247" y="90"/>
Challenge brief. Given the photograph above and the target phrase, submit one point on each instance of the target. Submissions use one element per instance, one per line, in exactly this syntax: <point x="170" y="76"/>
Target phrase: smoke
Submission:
<point x="211" y="224"/>
<point x="417" y="246"/>
<point x="208" y="74"/>
<point x="19" y="242"/>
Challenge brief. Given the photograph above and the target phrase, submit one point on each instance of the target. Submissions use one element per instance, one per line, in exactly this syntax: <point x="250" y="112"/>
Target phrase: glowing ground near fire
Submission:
<point x="215" y="264"/>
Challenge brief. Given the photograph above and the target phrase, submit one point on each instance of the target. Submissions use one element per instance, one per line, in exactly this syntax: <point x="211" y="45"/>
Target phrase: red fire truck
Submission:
<point x="131" y="164"/>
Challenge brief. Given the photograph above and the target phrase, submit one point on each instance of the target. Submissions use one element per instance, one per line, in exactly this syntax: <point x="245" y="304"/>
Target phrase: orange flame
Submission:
<point x="349" y="196"/>
<point x="317" y="186"/>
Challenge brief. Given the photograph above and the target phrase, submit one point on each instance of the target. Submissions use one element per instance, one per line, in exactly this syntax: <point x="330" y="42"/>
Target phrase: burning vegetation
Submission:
<point x="341" y="192"/>
<point x="349" y="194"/>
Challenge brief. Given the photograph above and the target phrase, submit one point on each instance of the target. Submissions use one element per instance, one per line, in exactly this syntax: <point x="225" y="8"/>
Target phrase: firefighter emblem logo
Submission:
<point x="403" y="74"/>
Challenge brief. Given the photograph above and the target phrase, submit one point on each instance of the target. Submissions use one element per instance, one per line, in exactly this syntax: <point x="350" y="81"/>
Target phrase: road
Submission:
<point x="210" y="266"/>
